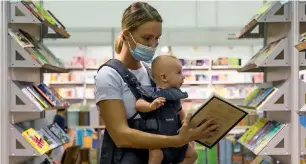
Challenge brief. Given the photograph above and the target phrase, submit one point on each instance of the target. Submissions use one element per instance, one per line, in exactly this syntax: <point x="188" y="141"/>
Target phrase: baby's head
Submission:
<point x="167" y="71"/>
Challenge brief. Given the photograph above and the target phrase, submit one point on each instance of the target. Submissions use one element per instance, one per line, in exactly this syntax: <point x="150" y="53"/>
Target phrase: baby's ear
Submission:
<point x="163" y="77"/>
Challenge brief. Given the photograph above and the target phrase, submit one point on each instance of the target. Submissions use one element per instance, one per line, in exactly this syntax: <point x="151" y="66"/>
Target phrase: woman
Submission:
<point x="141" y="29"/>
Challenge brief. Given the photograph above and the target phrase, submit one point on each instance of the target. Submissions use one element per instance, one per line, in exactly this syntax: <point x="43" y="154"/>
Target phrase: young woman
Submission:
<point x="141" y="30"/>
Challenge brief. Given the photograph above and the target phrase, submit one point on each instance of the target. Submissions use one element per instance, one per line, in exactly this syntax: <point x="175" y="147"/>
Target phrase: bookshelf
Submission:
<point x="281" y="97"/>
<point x="24" y="59"/>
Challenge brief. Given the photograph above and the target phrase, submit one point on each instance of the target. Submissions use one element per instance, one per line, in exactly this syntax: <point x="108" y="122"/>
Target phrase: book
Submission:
<point x="226" y="114"/>
<point x="36" y="141"/>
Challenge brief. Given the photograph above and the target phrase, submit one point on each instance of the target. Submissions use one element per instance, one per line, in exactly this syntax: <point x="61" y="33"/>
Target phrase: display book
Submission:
<point x="46" y="139"/>
<point x="46" y="17"/>
<point x="226" y="114"/>
<point x="42" y="96"/>
<point x="38" y="51"/>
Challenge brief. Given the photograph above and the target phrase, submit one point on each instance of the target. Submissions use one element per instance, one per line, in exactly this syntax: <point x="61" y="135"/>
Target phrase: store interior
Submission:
<point x="247" y="56"/>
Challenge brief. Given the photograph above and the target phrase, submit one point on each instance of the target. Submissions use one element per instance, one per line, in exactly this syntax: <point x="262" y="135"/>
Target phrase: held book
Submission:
<point x="225" y="113"/>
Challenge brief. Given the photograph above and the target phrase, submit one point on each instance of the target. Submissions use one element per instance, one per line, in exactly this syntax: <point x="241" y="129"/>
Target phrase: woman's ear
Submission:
<point x="125" y="35"/>
<point x="163" y="77"/>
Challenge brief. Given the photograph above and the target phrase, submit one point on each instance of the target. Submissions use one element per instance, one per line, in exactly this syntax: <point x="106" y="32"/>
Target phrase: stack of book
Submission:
<point x="260" y="134"/>
<point x="47" y="138"/>
<point x="42" y="96"/>
<point x="35" y="49"/>
<point x="224" y="61"/>
<point x="258" y="97"/>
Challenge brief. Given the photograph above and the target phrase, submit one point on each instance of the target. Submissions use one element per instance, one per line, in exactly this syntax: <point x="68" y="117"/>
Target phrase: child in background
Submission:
<point x="167" y="75"/>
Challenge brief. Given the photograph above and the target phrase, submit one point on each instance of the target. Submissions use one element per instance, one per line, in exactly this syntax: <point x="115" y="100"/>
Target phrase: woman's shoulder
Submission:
<point x="107" y="72"/>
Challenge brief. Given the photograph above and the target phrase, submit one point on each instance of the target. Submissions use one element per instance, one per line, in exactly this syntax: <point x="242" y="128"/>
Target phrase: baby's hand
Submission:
<point x="157" y="103"/>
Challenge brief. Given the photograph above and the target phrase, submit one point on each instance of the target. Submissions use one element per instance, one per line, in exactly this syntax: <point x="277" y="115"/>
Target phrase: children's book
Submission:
<point x="226" y="114"/>
<point x="37" y="142"/>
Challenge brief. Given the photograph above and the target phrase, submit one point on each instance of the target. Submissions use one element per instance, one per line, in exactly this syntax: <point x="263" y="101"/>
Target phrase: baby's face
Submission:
<point x="174" y="74"/>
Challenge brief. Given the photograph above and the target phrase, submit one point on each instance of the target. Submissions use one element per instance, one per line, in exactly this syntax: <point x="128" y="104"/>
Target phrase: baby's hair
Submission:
<point x="157" y="61"/>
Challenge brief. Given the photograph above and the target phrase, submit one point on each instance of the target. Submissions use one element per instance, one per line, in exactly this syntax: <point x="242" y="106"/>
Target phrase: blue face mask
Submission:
<point x="142" y="52"/>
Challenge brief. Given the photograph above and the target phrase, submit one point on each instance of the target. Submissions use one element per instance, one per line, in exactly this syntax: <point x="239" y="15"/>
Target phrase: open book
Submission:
<point x="226" y="114"/>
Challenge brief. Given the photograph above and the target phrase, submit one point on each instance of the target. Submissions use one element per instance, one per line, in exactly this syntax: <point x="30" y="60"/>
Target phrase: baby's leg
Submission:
<point x="155" y="156"/>
<point x="190" y="155"/>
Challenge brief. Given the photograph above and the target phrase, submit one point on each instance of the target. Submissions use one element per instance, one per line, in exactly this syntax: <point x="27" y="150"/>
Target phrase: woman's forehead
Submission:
<point x="152" y="28"/>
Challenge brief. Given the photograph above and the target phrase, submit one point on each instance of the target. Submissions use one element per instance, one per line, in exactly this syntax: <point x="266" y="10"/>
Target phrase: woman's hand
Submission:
<point x="205" y="130"/>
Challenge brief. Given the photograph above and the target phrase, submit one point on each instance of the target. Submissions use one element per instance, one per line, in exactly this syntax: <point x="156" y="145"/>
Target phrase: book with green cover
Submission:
<point x="212" y="155"/>
<point x="253" y="130"/>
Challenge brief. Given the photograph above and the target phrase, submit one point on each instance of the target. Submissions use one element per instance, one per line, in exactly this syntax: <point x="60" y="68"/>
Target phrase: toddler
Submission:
<point x="167" y="75"/>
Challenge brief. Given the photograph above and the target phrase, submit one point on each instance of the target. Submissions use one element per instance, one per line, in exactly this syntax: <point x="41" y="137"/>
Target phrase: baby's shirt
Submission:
<point x="173" y="96"/>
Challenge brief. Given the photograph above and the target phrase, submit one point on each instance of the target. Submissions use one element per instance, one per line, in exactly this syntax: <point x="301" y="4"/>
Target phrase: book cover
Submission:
<point x="253" y="130"/>
<point x="226" y="114"/>
<point x="20" y="38"/>
<point x="38" y="97"/>
<point x="51" y="142"/>
<point x="37" y="142"/>
<point x="59" y="133"/>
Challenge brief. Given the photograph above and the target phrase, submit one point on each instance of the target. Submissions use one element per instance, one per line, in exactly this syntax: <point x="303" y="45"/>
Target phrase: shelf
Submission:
<point x="273" y="55"/>
<point x="31" y="142"/>
<point x="302" y="11"/>
<point x="271" y="11"/>
<point x="215" y="67"/>
<point x="18" y="144"/>
<point x="276" y="99"/>
<point x="26" y="53"/>
<point x="28" y="12"/>
<point x="267" y="138"/>
<point x="26" y="97"/>
<point x="268" y="97"/>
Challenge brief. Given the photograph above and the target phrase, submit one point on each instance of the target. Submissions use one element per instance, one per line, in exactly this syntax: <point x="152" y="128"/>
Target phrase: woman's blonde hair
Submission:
<point x="135" y="15"/>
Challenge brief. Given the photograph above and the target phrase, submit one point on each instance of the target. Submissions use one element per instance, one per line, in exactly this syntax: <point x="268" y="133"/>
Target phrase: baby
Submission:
<point x="167" y="75"/>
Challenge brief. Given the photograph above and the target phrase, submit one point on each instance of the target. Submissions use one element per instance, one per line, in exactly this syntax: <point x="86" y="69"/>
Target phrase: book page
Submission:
<point x="226" y="115"/>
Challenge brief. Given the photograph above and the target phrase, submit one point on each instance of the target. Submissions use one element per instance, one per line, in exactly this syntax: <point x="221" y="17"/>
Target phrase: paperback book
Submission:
<point x="260" y="134"/>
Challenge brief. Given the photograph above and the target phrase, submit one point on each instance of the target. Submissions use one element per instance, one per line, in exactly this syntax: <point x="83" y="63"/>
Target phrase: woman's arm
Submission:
<point x="126" y="137"/>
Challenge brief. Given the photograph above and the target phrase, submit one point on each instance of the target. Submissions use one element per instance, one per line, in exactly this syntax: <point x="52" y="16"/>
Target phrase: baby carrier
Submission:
<point x="164" y="120"/>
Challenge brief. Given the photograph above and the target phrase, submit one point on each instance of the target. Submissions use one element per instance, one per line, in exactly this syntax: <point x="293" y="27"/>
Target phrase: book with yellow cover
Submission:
<point x="36" y="141"/>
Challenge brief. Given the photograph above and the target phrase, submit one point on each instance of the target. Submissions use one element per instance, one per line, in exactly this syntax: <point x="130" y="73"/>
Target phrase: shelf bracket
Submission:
<point x="19" y="146"/>
<point x="20" y="14"/>
<point x="19" y="101"/>
<point x="20" y="57"/>
<point x="302" y="96"/>
<point x="277" y="13"/>
<point x="277" y="101"/>
<point x="279" y="144"/>
<point x="279" y="55"/>
<point x="302" y="11"/>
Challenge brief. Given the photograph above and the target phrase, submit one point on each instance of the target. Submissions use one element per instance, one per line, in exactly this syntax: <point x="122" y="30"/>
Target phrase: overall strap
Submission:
<point x="128" y="77"/>
<point x="149" y="73"/>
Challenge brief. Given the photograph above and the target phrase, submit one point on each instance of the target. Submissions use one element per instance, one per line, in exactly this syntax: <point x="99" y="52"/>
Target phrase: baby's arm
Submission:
<point x="144" y="106"/>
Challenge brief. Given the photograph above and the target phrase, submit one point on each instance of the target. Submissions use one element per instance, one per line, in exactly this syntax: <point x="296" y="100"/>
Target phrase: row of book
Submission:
<point x="86" y="138"/>
<point x="227" y="91"/>
<point x="260" y="134"/>
<point x="225" y="152"/>
<point x="85" y="62"/>
<point x="47" y="138"/>
<point x="35" y="49"/>
<point x="40" y="13"/>
<point x="231" y="77"/>
<point x="262" y="54"/>
<point x="71" y="77"/>
<point x="205" y="63"/>
<point x="74" y="92"/>
<point x="258" y="96"/>
<point x="42" y="96"/>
